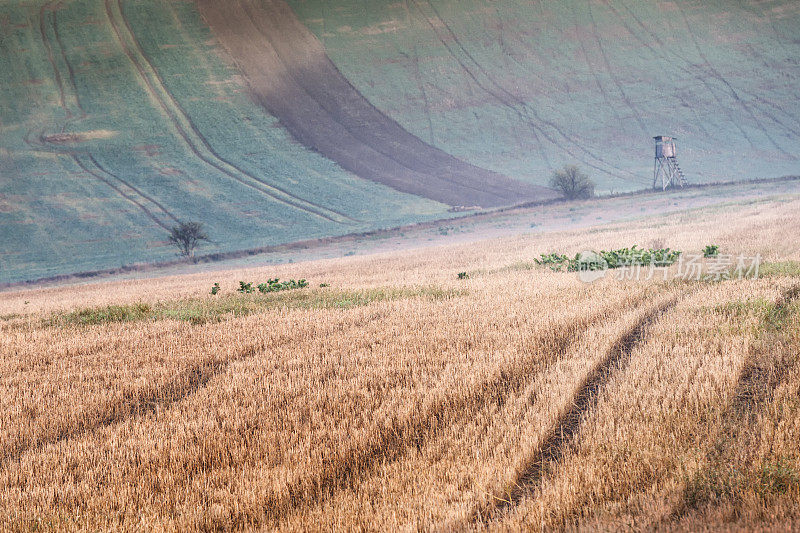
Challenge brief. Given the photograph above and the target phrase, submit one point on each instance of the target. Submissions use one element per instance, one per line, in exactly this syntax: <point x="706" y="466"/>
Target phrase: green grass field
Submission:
<point x="179" y="140"/>
<point x="119" y="117"/>
<point x="524" y="87"/>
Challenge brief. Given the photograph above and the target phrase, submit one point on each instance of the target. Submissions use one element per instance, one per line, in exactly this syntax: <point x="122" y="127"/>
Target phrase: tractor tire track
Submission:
<point x="700" y="78"/>
<point x="186" y="128"/>
<point x="418" y="79"/>
<point x="93" y="167"/>
<point x="507" y="53"/>
<point x="509" y="104"/>
<point x="70" y="70"/>
<point x="735" y="95"/>
<point x="325" y="212"/>
<point x="767" y="103"/>
<point x="402" y="154"/>
<point x="148" y="401"/>
<point x="761" y="374"/>
<point x="593" y="70"/>
<point x="658" y="53"/>
<point x="637" y="115"/>
<point x="754" y="384"/>
<point x="563" y="433"/>
<point x="138" y="191"/>
<point x="527" y="110"/>
<point x="393" y="441"/>
<point x="507" y="99"/>
<point x="425" y="101"/>
<point x="51" y="58"/>
<point x="94" y="170"/>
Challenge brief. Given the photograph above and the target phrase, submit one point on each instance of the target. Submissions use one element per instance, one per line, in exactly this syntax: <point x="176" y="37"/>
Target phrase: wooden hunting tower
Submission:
<point x="666" y="165"/>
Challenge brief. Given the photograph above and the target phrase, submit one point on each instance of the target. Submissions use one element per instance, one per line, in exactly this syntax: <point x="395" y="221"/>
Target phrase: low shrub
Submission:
<point x="610" y="259"/>
<point x="711" y="250"/>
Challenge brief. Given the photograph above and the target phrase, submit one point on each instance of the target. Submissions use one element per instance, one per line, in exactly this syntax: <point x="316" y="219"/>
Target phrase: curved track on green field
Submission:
<point x="290" y="74"/>
<point x="276" y="121"/>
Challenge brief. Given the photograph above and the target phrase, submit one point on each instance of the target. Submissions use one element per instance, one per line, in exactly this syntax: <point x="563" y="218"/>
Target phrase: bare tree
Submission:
<point x="186" y="236"/>
<point x="572" y="183"/>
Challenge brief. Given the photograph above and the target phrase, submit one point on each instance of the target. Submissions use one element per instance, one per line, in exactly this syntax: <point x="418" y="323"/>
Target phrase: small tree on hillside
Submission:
<point x="572" y="183"/>
<point x="186" y="236"/>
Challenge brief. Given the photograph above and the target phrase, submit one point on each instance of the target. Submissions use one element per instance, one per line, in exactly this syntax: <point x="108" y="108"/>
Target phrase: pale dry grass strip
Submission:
<point x="755" y="227"/>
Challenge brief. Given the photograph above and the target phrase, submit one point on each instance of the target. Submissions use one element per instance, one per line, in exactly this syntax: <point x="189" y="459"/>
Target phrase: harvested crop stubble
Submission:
<point x="640" y="459"/>
<point x="515" y="398"/>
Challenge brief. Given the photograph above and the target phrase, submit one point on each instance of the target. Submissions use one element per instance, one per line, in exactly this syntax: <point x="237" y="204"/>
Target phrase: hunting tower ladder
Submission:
<point x="667" y="172"/>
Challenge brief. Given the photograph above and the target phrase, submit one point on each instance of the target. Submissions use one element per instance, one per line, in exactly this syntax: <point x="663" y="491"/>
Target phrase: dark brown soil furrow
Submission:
<point x="292" y="77"/>
<point x="169" y="108"/>
<point x="562" y="434"/>
<point x="344" y="109"/>
<point x="302" y="202"/>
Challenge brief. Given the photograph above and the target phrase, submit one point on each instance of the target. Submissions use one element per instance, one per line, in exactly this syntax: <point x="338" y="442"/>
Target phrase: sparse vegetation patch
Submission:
<point x="203" y="310"/>
<point x="711" y="250"/>
<point x="623" y="257"/>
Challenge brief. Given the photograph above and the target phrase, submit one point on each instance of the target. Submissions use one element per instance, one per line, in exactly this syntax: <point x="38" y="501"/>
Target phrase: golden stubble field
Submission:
<point x="401" y="397"/>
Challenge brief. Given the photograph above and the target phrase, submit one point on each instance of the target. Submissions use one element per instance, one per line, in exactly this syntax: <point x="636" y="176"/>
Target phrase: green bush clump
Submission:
<point x="463" y="275"/>
<point x="276" y="285"/>
<point x="711" y="250"/>
<point x="215" y="289"/>
<point x="245" y="288"/>
<point x="640" y="256"/>
<point x="272" y="285"/>
<point x="610" y="259"/>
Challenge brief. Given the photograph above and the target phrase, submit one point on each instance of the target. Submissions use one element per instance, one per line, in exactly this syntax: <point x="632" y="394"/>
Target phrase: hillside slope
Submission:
<point x="523" y="87"/>
<point x="118" y="118"/>
<point x="289" y="72"/>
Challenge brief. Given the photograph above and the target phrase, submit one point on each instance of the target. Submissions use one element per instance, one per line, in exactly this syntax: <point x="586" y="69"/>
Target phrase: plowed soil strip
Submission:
<point x="292" y="77"/>
<point x="186" y="128"/>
